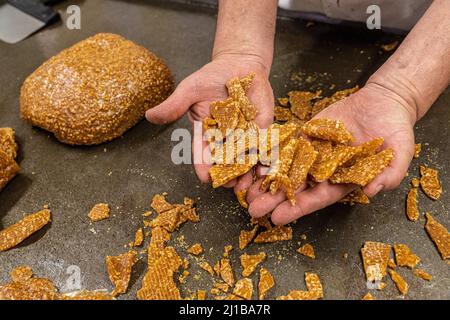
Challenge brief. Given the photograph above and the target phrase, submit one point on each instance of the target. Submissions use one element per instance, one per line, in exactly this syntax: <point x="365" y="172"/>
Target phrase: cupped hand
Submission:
<point x="195" y="94"/>
<point x="371" y="112"/>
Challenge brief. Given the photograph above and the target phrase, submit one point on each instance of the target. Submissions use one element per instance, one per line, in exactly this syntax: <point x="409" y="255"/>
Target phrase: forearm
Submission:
<point x="419" y="71"/>
<point x="246" y="28"/>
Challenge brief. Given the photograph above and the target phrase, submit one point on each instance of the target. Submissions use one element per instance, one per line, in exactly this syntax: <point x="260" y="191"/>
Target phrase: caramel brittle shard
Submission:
<point x="277" y="233"/>
<point x="244" y="289"/>
<point x="195" y="249"/>
<point x="119" y="270"/>
<point x="283" y="114"/>
<point x="404" y="256"/>
<point x="241" y="196"/>
<point x="322" y="104"/>
<point x="430" y="183"/>
<point x="274" y="137"/>
<point x="324" y="167"/>
<point x="226" y="114"/>
<point x="167" y="219"/>
<point x="315" y="289"/>
<point x="391" y="264"/>
<point x="417" y="150"/>
<point x="226" y="271"/>
<point x="266" y="282"/>
<point x="221" y="286"/>
<point x="207" y="267"/>
<point x="158" y="282"/>
<point x="365" y="170"/>
<point x="138" y="238"/>
<point x="375" y="257"/>
<point x="201" y="294"/>
<point x="420" y="273"/>
<point x="415" y="183"/>
<point x="8" y="169"/>
<point x="412" y="209"/>
<point x="183" y="277"/>
<point x="247" y="81"/>
<point x="304" y="157"/>
<point x="87" y="295"/>
<point x="400" y="283"/>
<point x="25" y="287"/>
<point x="226" y="251"/>
<point x="357" y="196"/>
<point x="263" y="221"/>
<point x="368" y="296"/>
<point x="307" y="250"/>
<point x="365" y="150"/>
<point x="160" y="204"/>
<point x="18" y="232"/>
<point x="99" y="212"/>
<point x="327" y="129"/>
<point x="237" y="93"/>
<point x="250" y="262"/>
<point x="246" y="237"/>
<point x="300" y="102"/>
<point x="8" y="142"/>
<point x="440" y="236"/>
<point x="223" y="173"/>
<point x="284" y="102"/>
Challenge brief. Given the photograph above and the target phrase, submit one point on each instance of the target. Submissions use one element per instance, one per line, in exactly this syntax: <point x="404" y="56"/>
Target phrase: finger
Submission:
<point x="244" y="182"/>
<point x="394" y="174"/>
<point x="230" y="184"/>
<point x="310" y="200"/>
<point x="254" y="191"/>
<point x="265" y="202"/>
<point x="176" y="105"/>
<point x="202" y="156"/>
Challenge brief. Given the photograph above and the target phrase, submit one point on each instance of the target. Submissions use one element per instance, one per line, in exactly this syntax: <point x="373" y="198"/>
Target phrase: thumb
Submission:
<point x="175" y="106"/>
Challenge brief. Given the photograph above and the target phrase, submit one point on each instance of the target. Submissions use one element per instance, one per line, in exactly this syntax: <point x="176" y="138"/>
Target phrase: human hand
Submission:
<point x="195" y="94"/>
<point x="371" y="112"/>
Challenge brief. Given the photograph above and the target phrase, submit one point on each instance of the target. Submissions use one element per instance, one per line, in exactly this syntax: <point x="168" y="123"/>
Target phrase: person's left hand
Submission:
<point x="371" y="112"/>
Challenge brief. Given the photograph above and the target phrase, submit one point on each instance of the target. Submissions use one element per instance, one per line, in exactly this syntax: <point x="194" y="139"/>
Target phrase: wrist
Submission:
<point x="398" y="90"/>
<point x="244" y="58"/>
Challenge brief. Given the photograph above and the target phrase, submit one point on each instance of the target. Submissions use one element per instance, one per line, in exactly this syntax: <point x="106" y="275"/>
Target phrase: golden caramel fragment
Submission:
<point x="246" y="237"/>
<point x="417" y="150"/>
<point x="159" y="238"/>
<point x="430" y="183"/>
<point x="138" y="238"/>
<point x="412" y="209"/>
<point x="18" y="232"/>
<point x="304" y="157"/>
<point x="207" y="267"/>
<point x="404" y="256"/>
<point x="357" y="196"/>
<point x="324" y="167"/>
<point x="221" y="286"/>
<point x="8" y="169"/>
<point x="365" y="170"/>
<point x="327" y="129"/>
<point x="283" y="114"/>
<point x="300" y="102"/>
<point x="119" y="270"/>
<point x="390" y="46"/>
<point x="223" y="173"/>
<point x="25" y="287"/>
<point x="313" y="283"/>
<point x="415" y="183"/>
<point x="226" y="251"/>
<point x="375" y="257"/>
<point x="274" y="137"/>
<point x="420" y="273"/>
<point x="99" y="212"/>
<point x="226" y="271"/>
<point x="263" y="221"/>
<point x="250" y="262"/>
<point x="401" y="284"/>
<point x="241" y="196"/>
<point x="226" y="114"/>
<point x="365" y="150"/>
<point x="158" y="282"/>
<point x="244" y="289"/>
<point x="391" y="264"/>
<point x="87" y="295"/>
<point x="368" y="296"/>
<point x="284" y="102"/>
<point x="266" y="282"/>
<point x="440" y="236"/>
<point x="307" y="250"/>
<point x="201" y="295"/>
<point x="183" y="277"/>
<point x="8" y="142"/>
<point x="160" y="204"/>
<point x="195" y="249"/>
<point x="277" y="233"/>
<point x="167" y="219"/>
<point x="247" y="81"/>
<point x="322" y="104"/>
<point x="237" y="93"/>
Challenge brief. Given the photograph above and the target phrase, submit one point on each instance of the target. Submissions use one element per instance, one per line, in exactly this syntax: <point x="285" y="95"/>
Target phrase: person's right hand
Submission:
<point x="195" y="94"/>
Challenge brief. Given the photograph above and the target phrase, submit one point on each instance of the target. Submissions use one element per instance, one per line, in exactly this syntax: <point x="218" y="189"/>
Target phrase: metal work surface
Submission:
<point x="128" y="171"/>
